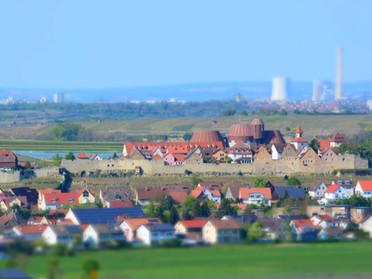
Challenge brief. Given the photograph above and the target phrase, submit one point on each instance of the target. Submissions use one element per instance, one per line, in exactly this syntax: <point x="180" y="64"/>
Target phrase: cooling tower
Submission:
<point x="338" y="91"/>
<point x="279" y="90"/>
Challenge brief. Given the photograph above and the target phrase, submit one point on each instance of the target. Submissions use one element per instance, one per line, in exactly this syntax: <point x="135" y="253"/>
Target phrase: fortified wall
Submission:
<point x="280" y="167"/>
<point x="9" y="177"/>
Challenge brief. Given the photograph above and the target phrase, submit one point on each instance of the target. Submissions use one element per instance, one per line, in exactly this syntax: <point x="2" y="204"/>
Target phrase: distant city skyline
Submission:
<point x="114" y="44"/>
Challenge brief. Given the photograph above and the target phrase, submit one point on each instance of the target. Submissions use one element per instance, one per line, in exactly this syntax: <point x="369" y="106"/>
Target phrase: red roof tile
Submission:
<point x="332" y="188"/>
<point x="366" y="185"/>
<point x="31" y="229"/>
<point x="198" y="223"/>
<point x="245" y="192"/>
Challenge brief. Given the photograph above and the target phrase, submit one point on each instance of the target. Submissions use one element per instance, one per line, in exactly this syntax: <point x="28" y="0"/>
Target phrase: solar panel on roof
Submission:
<point x="106" y="215"/>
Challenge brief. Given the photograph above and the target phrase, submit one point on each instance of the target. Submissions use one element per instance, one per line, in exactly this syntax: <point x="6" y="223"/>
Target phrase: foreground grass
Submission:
<point x="240" y="261"/>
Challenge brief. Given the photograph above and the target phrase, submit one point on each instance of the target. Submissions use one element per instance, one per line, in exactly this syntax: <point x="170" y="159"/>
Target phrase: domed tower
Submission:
<point x="206" y="136"/>
<point x="258" y="129"/>
<point x="239" y="133"/>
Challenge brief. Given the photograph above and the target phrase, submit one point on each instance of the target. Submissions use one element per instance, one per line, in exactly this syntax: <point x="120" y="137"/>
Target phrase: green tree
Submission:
<point x="314" y="144"/>
<point x="174" y="217"/>
<point x="294" y="181"/>
<point x="226" y="209"/>
<point x="70" y="156"/>
<point x="56" y="160"/>
<point x="259" y="182"/>
<point x="256" y="232"/>
<point x="228" y="160"/>
<point x="90" y="268"/>
<point x="195" y="180"/>
<point x="67" y="131"/>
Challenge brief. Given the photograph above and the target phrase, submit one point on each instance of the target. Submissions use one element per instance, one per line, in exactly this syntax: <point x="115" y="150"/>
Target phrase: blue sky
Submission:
<point x="97" y="44"/>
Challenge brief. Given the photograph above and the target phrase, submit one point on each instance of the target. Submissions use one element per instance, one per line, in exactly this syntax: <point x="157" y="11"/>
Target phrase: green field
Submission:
<point x="320" y="260"/>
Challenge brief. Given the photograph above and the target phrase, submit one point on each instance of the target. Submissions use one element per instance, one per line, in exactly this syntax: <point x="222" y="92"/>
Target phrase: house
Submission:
<point x="292" y="192"/>
<point x="205" y="192"/>
<point x="337" y="140"/>
<point x="102" y="215"/>
<point x="325" y="221"/>
<point x="221" y="231"/>
<point x="174" y="159"/>
<point x="99" y="234"/>
<point x="178" y="197"/>
<point x="114" y="194"/>
<point x="257" y="196"/>
<point x="233" y="191"/>
<point x="277" y="150"/>
<point x="303" y="230"/>
<point x="8" y="159"/>
<point x="9" y="202"/>
<point x="120" y="204"/>
<point x="29" y="232"/>
<point x="336" y="192"/>
<point x="31" y="194"/>
<point x="220" y="156"/>
<point x="145" y="195"/>
<point x="366" y="226"/>
<point x="317" y="190"/>
<point x="155" y="234"/>
<point x="130" y="226"/>
<point x="57" y="199"/>
<point x="241" y="219"/>
<point x="58" y="234"/>
<point x="364" y="188"/>
<point x="82" y="156"/>
<point x="191" y="228"/>
<point x="274" y="228"/>
<point x="85" y="196"/>
<point x="331" y="233"/>
<point x="240" y="153"/>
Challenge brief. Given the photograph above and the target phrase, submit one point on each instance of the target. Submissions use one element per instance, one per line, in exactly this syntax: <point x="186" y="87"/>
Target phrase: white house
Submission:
<point x="210" y="193"/>
<point x="317" y="190"/>
<point x="130" y="226"/>
<point x="58" y="234"/>
<point x="256" y="196"/>
<point x="29" y="232"/>
<point x="336" y="192"/>
<point x="155" y="234"/>
<point x="367" y="226"/>
<point x="325" y="221"/>
<point x="364" y="188"/>
<point x="221" y="231"/>
<point x="98" y="234"/>
<point x="276" y="151"/>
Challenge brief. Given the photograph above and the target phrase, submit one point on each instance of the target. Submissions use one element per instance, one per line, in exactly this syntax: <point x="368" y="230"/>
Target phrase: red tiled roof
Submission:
<point x="300" y="139"/>
<point x="206" y="136"/>
<point x="61" y="198"/>
<point x="82" y="155"/>
<point x="198" y="223"/>
<point x="338" y="138"/>
<point x="196" y="192"/>
<point x="298" y="129"/>
<point x="301" y="223"/>
<point x="245" y="192"/>
<point x="324" y="144"/>
<point x="178" y="196"/>
<point x="31" y="229"/>
<point x="135" y="223"/>
<point x="366" y="185"/>
<point x="332" y="188"/>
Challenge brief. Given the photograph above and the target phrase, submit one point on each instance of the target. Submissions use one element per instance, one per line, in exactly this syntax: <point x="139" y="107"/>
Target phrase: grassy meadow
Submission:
<point x="318" y="260"/>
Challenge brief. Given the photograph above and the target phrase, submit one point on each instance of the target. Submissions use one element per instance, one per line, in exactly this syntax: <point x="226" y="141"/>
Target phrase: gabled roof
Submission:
<point x="225" y="224"/>
<point x="159" y="227"/>
<point x="332" y="188"/>
<point x="148" y="193"/>
<point x="31" y="193"/>
<point x="106" y="215"/>
<point x="298" y="129"/>
<point x="135" y="223"/>
<point x="301" y="224"/>
<point x="337" y="138"/>
<point x="120" y="204"/>
<point x="82" y="155"/>
<point x="116" y="193"/>
<point x="66" y="229"/>
<point x="366" y="185"/>
<point x="178" y="196"/>
<point x="245" y="192"/>
<point x="314" y="185"/>
<point x="31" y="229"/>
<point x="61" y="198"/>
<point x="299" y="139"/>
<point x="105" y="229"/>
<point x="290" y="192"/>
<point x="197" y="223"/>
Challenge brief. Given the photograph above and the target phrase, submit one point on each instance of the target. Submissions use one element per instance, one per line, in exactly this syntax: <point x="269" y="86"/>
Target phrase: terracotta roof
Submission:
<point x="245" y="192"/>
<point x="135" y="223"/>
<point x="300" y="139"/>
<point x="31" y="229"/>
<point x="302" y="223"/>
<point x="240" y="132"/>
<point x="178" y="196"/>
<point x="82" y="155"/>
<point x="325" y="217"/>
<point x="206" y="136"/>
<point x="366" y="185"/>
<point x="61" y="198"/>
<point x="324" y="144"/>
<point x="332" y="188"/>
<point x="196" y="192"/>
<point x="197" y="223"/>
<point x="338" y="138"/>
<point x="120" y="204"/>
<point x="147" y="193"/>
<point x="208" y="184"/>
<point x="225" y="224"/>
<point x="257" y="121"/>
<point x="298" y="129"/>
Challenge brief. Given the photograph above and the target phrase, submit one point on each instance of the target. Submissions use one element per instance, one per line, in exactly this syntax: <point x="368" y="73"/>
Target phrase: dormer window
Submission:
<point x="70" y="200"/>
<point x="85" y="193"/>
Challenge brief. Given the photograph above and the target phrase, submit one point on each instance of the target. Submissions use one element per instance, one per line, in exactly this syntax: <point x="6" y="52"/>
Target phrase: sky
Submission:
<point x="120" y="43"/>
